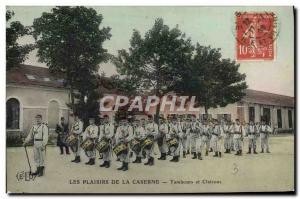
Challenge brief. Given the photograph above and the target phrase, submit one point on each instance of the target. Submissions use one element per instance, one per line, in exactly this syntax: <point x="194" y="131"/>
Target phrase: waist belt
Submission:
<point x="38" y="139"/>
<point x="251" y="133"/>
<point x="237" y="133"/>
<point x="264" y="132"/>
<point x="215" y="134"/>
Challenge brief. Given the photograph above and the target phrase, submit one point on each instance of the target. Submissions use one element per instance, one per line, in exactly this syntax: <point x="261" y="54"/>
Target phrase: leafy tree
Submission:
<point x="155" y="62"/>
<point x="69" y="40"/>
<point x="15" y="53"/>
<point x="214" y="81"/>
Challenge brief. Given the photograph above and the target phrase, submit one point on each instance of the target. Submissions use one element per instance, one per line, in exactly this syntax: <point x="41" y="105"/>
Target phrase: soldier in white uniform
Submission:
<point x="124" y="134"/>
<point x="195" y="129"/>
<point x="174" y="132"/>
<point x="151" y="132"/>
<point x="185" y="127"/>
<point x="252" y="135"/>
<point x="161" y="141"/>
<point x="204" y="140"/>
<point x="227" y="136"/>
<point x="91" y="132"/>
<point x="39" y="134"/>
<point x="264" y="131"/>
<point x="76" y="129"/>
<point x="238" y="137"/>
<point x="215" y="138"/>
<point x="106" y="132"/>
<point x="139" y="133"/>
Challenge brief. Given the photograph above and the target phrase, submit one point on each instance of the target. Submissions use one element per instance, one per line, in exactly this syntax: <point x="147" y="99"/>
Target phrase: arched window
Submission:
<point x="53" y="113"/>
<point x="12" y="114"/>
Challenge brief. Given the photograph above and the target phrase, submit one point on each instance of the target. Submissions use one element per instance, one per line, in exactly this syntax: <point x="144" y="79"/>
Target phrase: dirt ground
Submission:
<point x="261" y="172"/>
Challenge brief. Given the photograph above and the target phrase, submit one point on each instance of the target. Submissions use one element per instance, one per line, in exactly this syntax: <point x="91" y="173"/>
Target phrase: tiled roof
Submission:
<point x="260" y="97"/>
<point x="28" y="75"/>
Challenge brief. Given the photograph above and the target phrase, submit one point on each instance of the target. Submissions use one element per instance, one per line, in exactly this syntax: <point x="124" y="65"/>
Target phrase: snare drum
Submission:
<point x="71" y="140"/>
<point x="147" y="143"/>
<point x="87" y="145"/>
<point x="172" y="142"/>
<point x="135" y="145"/>
<point x="103" y="145"/>
<point x="120" y="148"/>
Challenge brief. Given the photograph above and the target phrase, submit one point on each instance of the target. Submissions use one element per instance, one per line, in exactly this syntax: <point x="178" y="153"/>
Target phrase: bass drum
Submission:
<point x="87" y="145"/>
<point x="172" y="142"/>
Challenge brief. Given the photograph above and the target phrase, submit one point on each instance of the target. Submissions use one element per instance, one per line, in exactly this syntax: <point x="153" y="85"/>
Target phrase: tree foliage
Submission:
<point x="70" y="40"/>
<point x="155" y="61"/>
<point x="213" y="80"/>
<point x="15" y="53"/>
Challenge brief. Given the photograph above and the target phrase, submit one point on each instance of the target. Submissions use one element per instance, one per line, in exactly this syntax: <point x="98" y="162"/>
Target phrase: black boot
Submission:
<point x="206" y="153"/>
<point x="268" y="151"/>
<point x="151" y="161"/>
<point x="107" y="164"/>
<point x="210" y="150"/>
<point x="104" y="164"/>
<point x="199" y="156"/>
<point x="125" y="168"/>
<point x="194" y="155"/>
<point x="90" y="160"/>
<point x="237" y="152"/>
<point x="249" y="152"/>
<point x="136" y="160"/>
<point x="121" y="168"/>
<point x="36" y="172"/>
<point x="41" y="173"/>
<point x="262" y="151"/>
<point x="240" y="153"/>
<point x="173" y="159"/>
<point x="61" y="150"/>
<point x="188" y="152"/>
<point x="216" y="154"/>
<point x="220" y="154"/>
<point x="148" y="161"/>
<point x="176" y="159"/>
<point x="162" y="156"/>
<point x="227" y="151"/>
<point x="77" y="159"/>
<point x="184" y="154"/>
<point x="254" y="151"/>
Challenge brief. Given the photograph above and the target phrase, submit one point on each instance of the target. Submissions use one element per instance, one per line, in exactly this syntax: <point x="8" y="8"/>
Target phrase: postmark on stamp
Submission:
<point x="255" y="35"/>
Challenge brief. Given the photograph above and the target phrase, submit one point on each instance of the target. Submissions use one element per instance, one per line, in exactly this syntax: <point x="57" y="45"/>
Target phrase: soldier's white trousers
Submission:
<point x="252" y="142"/>
<point x="183" y="142"/>
<point x="77" y="153"/>
<point x="39" y="153"/>
<point x="264" y="141"/>
<point x="227" y="141"/>
<point x="214" y="143"/>
<point x="188" y="142"/>
<point x="238" y="143"/>
<point x="204" y="142"/>
<point x="91" y="154"/>
<point x="149" y="152"/>
<point x="163" y="147"/>
<point x="175" y="151"/>
<point x="107" y="155"/>
<point x="193" y="142"/>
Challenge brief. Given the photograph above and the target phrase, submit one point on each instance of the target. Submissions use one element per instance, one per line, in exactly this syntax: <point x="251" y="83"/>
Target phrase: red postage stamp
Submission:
<point x="255" y="33"/>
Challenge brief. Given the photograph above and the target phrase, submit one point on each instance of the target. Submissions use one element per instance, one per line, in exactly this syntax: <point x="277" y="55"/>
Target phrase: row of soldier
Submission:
<point x="172" y="136"/>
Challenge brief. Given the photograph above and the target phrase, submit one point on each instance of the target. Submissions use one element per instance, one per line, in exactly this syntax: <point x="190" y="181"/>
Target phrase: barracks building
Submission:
<point x="32" y="90"/>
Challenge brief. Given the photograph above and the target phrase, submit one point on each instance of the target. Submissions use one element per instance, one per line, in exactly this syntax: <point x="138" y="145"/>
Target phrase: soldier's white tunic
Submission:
<point x="77" y="128"/>
<point x="216" y="136"/>
<point x="174" y="132"/>
<point x="107" y="132"/>
<point x="39" y="134"/>
<point x="252" y="133"/>
<point x="264" y="131"/>
<point x="124" y="134"/>
<point x="204" y="141"/>
<point x="151" y="131"/>
<point x="184" y="136"/>
<point x="195" y="131"/>
<point x="91" y="132"/>
<point x="238" y="136"/>
<point x="163" y="130"/>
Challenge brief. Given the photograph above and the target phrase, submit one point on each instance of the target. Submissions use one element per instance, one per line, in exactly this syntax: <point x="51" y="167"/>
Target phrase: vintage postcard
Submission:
<point x="164" y="99"/>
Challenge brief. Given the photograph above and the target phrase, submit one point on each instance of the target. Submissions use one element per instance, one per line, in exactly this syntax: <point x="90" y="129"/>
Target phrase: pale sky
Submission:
<point x="213" y="26"/>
